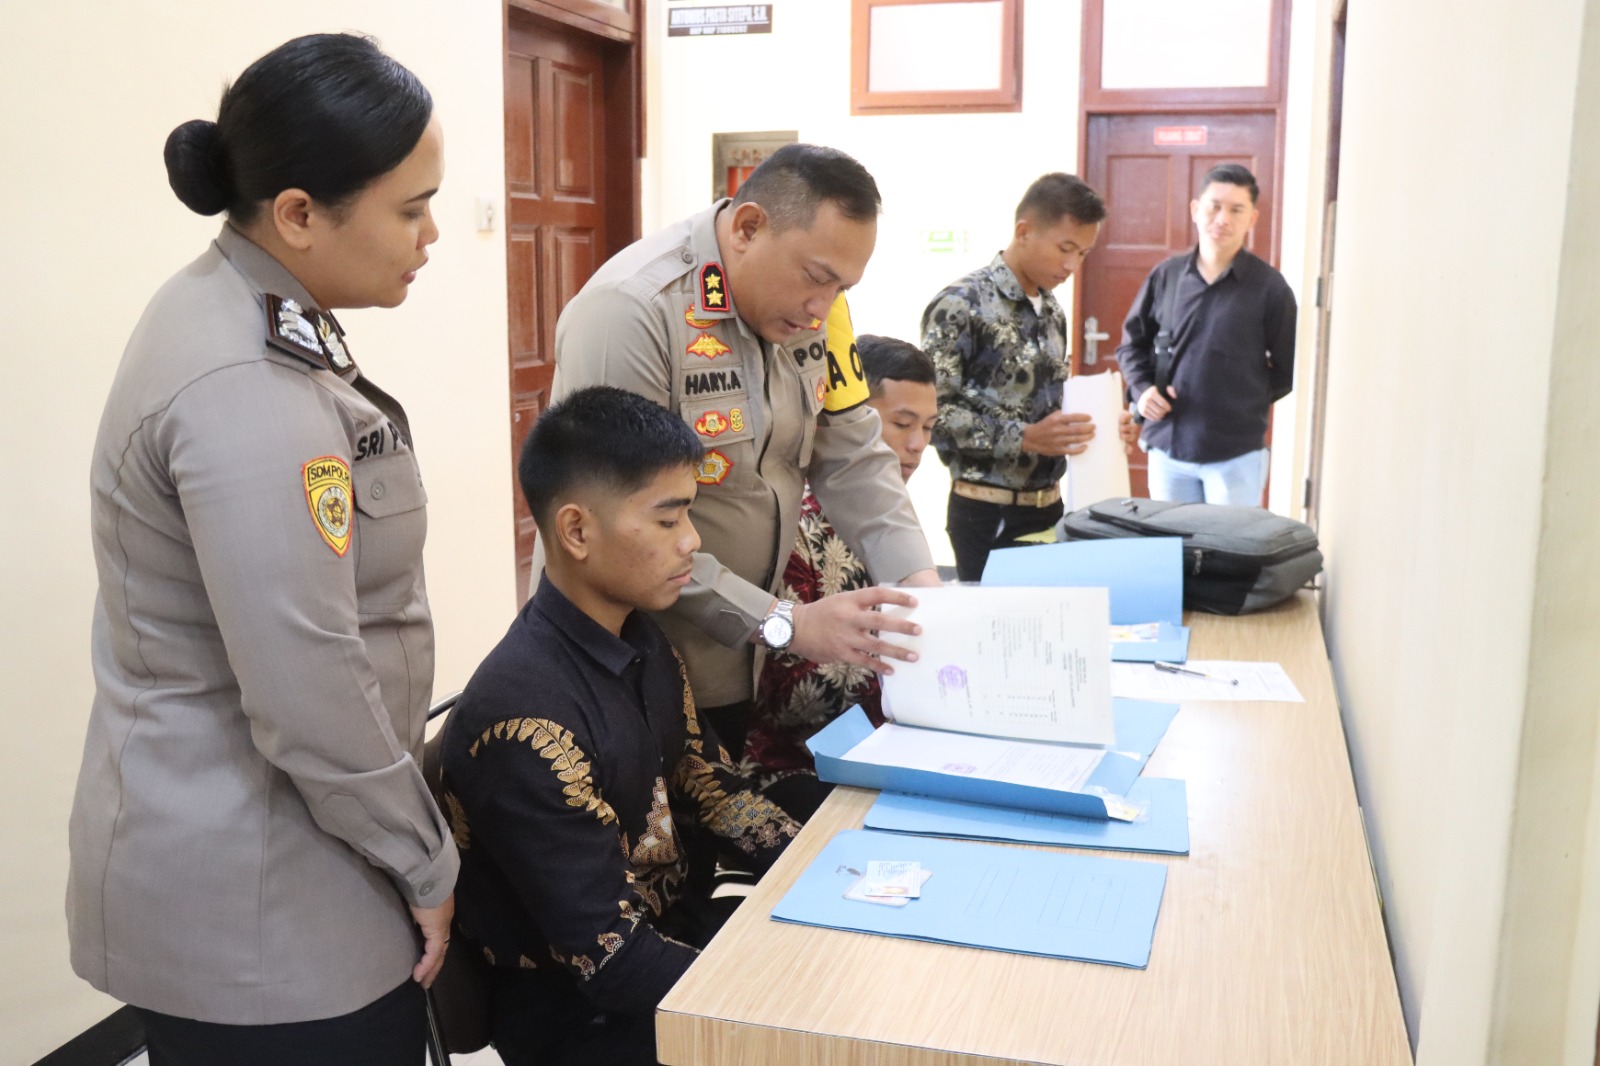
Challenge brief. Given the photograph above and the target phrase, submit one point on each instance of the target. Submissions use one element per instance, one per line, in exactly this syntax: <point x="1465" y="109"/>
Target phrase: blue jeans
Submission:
<point x="1237" y="481"/>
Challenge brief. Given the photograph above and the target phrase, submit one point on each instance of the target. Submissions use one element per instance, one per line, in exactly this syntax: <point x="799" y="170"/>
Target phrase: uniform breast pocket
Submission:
<point x="727" y="429"/>
<point x="391" y="526"/>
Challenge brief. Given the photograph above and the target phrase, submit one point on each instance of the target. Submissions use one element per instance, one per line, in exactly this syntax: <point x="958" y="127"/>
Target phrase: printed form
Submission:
<point x="1063" y="767"/>
<point x="1019" y="663"/>
<point x="1224" y="680"/>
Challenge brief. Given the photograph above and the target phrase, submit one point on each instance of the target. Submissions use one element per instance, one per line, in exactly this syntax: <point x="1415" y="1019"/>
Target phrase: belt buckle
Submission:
<point x="1033" y="498"/>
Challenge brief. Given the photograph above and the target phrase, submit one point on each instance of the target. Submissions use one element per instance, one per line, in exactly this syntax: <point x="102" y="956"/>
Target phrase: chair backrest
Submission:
<point x="461" y="991"/>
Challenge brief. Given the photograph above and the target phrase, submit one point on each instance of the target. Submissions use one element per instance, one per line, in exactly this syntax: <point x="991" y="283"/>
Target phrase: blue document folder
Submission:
<point x="987" y="896"/>
<point x="1143" y="574"/>
<point x="1164" y="826"/>
<point x="1139" y="728"/>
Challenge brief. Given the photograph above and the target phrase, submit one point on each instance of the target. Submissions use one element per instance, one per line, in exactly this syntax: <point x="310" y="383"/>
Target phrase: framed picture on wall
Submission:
<point x="735" y="155"/>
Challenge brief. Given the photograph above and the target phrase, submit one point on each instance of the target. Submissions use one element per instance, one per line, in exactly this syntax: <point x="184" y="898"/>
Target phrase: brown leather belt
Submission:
<point x="990" y="494"/>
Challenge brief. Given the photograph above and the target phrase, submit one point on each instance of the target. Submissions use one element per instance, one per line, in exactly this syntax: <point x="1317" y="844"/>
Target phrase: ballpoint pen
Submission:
<point x="1174" y="668"/>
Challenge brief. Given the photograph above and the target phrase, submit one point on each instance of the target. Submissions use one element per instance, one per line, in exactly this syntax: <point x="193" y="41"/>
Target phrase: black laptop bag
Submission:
<point x="1235" y="559"/>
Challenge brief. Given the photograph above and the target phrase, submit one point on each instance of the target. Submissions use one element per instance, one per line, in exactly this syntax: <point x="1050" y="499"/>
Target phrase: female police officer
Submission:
<point x="252" y="842"/>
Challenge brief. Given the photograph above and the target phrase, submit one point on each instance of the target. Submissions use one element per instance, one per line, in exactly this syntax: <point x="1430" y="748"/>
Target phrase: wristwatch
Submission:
<point x="777" y="628"/>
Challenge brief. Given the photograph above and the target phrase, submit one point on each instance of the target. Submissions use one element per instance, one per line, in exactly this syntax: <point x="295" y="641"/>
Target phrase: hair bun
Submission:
<point x="192" y="167"/>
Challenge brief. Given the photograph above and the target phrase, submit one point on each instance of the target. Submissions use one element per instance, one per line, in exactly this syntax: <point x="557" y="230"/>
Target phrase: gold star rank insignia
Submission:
<point x="713" y="468"/>
<point x="713" y="294"/>
<point x="708" y="346"/>
<point x="327" y="481"/>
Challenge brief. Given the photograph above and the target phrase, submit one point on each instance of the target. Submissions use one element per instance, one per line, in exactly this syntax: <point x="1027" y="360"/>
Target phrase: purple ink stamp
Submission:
<point x="959" y="768"/>
<point x="952" y="677"/>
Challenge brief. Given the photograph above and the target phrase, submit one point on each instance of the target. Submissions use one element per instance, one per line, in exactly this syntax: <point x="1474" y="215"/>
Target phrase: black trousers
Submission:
<point x="391" y="1031"/>
<point x="541" y="1018"/>
<point x="976" y="528"/>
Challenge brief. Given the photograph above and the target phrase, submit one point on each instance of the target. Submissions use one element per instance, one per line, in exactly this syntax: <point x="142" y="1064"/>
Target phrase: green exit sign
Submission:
<point x="944" y="241"/>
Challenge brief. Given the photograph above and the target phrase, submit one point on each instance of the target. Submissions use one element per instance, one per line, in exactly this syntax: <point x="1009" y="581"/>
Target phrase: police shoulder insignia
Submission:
<point x="327" y="481"/>
<point x="708" y="346"/>
<point x="697" y="323"/>
<point x="290" y="329"/>
<point x="713" y="468"/>
<point x="713" y="292"/>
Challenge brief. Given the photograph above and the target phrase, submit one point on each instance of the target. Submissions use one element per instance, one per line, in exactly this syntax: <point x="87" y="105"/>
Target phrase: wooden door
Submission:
<point x="1148" y="167"/>
<point x="556" y="182"/>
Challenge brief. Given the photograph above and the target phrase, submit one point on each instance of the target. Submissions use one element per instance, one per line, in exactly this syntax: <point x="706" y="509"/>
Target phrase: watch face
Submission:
<point x="776" y="632"/>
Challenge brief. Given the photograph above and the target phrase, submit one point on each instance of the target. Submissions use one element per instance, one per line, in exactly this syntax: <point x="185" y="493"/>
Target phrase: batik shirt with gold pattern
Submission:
<point x="570" y="761"/>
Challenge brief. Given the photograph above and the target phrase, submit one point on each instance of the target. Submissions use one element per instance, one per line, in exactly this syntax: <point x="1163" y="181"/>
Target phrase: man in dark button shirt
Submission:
<point x="1207" y="348"/>
<point x="575" y="753"/>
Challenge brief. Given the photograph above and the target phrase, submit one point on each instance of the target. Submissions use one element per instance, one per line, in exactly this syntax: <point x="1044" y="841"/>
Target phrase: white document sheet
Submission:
<point x="1063" y="767"/>
<point x="1021" y="663"/>
<point x="1101" y="472"/>
<point x="1257" y="681"/>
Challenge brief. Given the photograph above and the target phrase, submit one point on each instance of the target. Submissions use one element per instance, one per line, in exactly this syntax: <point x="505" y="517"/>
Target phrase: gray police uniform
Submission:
<point x="250" y="821"/>
<point x="657" y="319"/>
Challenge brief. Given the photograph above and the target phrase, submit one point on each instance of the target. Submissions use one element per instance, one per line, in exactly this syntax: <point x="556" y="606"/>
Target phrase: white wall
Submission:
<point x="1460" y="516"/>
<point x="91" y="92"/>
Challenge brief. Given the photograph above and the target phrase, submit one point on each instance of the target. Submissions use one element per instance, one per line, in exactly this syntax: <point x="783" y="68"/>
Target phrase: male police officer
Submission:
<point x="721" y="319"/>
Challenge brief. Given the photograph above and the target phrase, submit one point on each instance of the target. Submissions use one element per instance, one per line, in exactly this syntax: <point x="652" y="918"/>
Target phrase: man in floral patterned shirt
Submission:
<point x="579" y="779"/>
<point x="797" y="697"/>
<point x="998" y="338"/>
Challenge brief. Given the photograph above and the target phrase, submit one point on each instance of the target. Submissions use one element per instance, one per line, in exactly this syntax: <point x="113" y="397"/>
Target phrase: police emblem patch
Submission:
<point x="327" y="481"/>
<point x="713" y="293"/>
<point x="711" y="424"/>
<point x="697" y="323"/>
<point x="736" y="419"/>
<point x="708" y="346"/>
<point x="713" y="468"/>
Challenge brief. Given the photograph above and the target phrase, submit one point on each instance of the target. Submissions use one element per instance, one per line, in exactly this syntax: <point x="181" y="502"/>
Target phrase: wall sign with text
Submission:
<point x="1176" y="136"/>
<point x="723" y="19"/>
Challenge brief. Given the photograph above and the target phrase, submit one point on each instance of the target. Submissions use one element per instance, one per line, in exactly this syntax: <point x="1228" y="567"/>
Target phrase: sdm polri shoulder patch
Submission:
<point x="327" y="481"/>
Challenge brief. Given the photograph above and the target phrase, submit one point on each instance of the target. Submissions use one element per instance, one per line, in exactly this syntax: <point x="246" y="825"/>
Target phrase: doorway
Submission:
<point x="573" y="140"/>
<point x="1169" y="93"/>
<point x="1148" y="168"/>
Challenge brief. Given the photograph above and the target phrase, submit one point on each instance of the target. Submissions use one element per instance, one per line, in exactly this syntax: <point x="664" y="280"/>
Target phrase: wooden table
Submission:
<point x="1269" y="950"/>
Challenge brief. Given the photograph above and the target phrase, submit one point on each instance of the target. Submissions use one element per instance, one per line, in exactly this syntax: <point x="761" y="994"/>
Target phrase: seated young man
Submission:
<point x="796" y="697"/>
<point x="575" y="767"/>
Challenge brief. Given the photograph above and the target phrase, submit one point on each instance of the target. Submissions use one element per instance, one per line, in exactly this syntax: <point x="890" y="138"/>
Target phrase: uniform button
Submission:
<point x="688" y="257"/>
<point x="426" y="889"/>
<point x="377" y="490"/>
